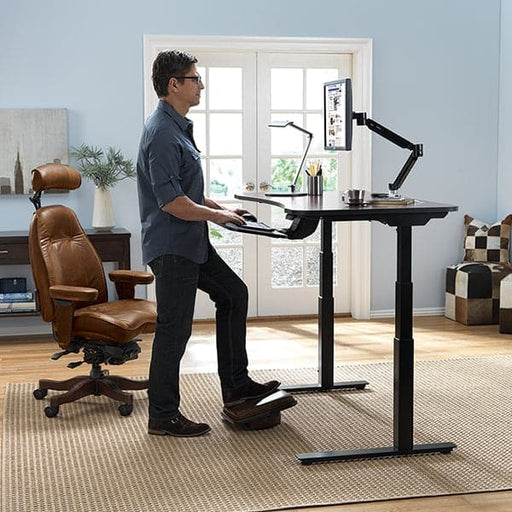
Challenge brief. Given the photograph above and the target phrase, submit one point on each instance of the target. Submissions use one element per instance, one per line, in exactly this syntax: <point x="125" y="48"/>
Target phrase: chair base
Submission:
<point x="258" y="414"/>
<point x="113" y="386"/>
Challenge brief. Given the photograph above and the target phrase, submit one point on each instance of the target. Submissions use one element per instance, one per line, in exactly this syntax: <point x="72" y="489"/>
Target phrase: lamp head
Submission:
<point x="280" y="124"/>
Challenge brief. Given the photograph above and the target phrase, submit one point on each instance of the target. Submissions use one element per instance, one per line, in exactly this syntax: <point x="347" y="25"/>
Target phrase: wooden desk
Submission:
<point x="330" y="208"/>
<point x="112" y="246"/>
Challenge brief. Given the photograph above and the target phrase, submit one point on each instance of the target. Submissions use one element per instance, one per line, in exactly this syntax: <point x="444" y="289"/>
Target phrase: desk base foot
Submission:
<point x="373" y="453"/>
<point x="355" y="384"/>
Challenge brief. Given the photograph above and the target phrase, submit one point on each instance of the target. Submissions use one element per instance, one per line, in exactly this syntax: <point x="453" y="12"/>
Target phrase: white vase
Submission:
<point x="102" y="213"/>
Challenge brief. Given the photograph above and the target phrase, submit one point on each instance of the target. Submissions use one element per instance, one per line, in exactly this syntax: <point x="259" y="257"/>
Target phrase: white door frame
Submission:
<point x="361" y="49"/>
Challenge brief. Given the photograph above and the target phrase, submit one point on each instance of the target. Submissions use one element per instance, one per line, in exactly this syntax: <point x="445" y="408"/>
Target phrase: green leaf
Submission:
<point x="105" y="170"/>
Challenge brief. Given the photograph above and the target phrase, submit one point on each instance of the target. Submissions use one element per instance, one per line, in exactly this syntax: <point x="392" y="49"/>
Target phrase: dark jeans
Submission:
<point x="177" y="280"/>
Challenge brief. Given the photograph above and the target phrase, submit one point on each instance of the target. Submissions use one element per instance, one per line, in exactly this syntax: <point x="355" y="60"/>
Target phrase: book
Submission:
<point x="391" y="201"/>
<point x="19" y="307"/>
<point x="16" y="297"/>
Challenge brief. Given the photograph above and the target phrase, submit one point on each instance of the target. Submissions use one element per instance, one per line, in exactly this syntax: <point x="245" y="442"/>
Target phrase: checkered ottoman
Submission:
<point x="506" y="305"/>
<point x="473" y="292"/>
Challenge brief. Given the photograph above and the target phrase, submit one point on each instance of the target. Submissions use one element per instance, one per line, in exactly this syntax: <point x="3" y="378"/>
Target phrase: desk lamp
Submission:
<point x="284" y="124"/>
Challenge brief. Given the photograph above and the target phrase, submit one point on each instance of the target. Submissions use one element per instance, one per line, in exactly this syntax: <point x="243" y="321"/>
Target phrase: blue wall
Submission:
<point x="436" y="80"/>
<point x="504" y="199"/>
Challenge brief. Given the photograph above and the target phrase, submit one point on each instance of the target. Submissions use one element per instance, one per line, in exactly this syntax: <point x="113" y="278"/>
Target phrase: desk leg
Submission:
<point x="403" y="367"/>
<point x="326" y="322"/>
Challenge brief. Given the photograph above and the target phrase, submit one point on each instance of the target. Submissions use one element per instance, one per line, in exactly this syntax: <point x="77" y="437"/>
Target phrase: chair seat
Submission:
<point x="117" y="321"/>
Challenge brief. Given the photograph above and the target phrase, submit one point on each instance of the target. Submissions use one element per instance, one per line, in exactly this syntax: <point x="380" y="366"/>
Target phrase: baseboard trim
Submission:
<point x="390" y="313"/>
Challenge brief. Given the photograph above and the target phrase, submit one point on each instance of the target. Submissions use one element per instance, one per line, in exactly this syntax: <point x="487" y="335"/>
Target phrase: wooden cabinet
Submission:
<point x="112" y="246"/>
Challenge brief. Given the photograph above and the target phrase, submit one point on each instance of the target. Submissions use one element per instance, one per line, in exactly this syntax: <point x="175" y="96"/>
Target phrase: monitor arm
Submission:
<point x="416" y="149"/>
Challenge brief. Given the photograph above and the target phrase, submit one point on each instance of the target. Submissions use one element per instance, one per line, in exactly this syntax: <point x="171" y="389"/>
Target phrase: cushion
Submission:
<point x="473" y="292"/>
<point x="484" y="242"/>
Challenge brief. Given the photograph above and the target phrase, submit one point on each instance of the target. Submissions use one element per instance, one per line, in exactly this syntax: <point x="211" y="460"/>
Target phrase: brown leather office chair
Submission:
<point x="72" y="293"/>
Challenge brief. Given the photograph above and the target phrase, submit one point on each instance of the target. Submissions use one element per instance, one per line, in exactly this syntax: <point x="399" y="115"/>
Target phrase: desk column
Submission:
<point x="326" y="309"/>
<point x="403" y="349"/>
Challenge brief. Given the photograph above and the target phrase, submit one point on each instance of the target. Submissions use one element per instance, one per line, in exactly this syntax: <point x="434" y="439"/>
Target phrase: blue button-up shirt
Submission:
<point x="169" y="166"/>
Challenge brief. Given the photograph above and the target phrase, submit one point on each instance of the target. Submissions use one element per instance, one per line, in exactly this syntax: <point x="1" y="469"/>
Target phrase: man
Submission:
<point x="175" y="244"/>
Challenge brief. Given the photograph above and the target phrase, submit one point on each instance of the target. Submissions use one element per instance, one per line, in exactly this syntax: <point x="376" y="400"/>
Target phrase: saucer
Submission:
<point x="356" y="203"/>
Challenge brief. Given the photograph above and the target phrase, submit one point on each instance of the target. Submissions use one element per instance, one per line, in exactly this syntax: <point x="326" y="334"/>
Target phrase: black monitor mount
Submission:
<point x="416" y="149"/>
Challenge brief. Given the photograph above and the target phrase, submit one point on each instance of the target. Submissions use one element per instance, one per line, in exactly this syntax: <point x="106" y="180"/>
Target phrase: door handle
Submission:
<point x="265" y="186"/>
<point x="250" y="186"/>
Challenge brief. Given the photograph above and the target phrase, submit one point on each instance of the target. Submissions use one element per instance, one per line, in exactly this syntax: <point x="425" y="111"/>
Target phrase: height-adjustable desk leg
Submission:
<point x="403" y="368"/>
<point x="326" y="322"/>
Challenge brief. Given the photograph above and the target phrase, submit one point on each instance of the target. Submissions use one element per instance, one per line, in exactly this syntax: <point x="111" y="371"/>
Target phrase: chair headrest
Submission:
<point x="55" y="176"/>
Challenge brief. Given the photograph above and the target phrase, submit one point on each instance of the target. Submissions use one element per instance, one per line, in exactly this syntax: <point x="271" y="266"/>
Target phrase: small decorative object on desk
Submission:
<point x="315" y="180"/>
<point x="354" y="197"/>
<point x="105" y="170"/>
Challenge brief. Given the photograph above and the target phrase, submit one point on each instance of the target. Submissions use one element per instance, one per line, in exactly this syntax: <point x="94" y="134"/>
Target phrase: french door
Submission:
<point x="244" y="92"/>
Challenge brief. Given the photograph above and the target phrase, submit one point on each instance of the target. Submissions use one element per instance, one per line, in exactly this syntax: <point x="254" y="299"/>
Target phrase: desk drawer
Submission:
<point x="14" y="254"/>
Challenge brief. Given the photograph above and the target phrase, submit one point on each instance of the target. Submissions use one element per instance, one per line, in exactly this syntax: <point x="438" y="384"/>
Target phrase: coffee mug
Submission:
<point x="353" y="196"/>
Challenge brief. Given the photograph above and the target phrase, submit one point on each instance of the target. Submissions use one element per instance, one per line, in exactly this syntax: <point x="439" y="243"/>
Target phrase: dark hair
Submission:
<point x="167" y="64"/>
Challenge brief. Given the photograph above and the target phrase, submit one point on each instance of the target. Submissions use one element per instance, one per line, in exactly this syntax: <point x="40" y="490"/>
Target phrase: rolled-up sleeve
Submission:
<point x="164" y="156"/>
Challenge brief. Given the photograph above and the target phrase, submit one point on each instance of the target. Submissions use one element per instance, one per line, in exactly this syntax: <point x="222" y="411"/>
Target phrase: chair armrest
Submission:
<point x="125" y="281"/>
<point x="131" y="276"/>
<point x="65" y="299"/>
<point x="73" y="293"/>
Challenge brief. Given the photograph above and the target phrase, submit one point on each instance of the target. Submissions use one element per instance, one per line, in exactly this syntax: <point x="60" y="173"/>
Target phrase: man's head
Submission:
<point x="168" y="64"/>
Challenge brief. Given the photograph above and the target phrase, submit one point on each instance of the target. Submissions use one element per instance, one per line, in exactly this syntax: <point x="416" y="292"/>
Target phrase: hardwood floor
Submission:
<point x="291" y="342"/>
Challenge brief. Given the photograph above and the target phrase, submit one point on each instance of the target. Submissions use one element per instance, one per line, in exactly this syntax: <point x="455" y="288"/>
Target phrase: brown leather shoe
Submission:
<point x="178" y="427"/>
<point x="249" y="391"/>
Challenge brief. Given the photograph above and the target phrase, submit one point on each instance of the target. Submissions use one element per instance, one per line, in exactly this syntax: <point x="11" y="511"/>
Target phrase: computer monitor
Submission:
<point x="338" y="115"/>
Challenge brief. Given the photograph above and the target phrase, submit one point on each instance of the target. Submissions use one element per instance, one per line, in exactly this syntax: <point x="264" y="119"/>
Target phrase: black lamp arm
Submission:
<point x="299" y="170"/>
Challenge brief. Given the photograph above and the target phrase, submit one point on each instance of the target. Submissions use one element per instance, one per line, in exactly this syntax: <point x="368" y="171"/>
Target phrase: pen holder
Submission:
<point x="315" y="185"/>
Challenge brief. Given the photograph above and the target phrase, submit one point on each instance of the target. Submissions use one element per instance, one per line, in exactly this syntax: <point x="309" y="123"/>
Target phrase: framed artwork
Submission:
<point x="29" y="138"/>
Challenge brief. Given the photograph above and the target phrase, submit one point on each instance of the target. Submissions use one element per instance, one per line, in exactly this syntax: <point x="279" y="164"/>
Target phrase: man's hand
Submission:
<point x="233" y="216"/>
<point x="184" y="208"/>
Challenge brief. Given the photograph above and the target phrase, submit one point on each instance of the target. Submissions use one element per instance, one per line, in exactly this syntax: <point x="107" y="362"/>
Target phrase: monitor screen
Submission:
<point x="338" y="115"/>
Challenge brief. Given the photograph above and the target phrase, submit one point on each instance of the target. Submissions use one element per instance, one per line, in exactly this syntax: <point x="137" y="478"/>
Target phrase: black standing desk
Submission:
<point x="330" y="208"/>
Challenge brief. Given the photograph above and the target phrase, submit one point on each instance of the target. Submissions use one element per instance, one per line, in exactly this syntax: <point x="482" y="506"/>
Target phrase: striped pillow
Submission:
<point x="484" y="242"/>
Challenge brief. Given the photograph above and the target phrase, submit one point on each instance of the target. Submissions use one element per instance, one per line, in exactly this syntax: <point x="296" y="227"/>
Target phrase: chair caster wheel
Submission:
<point x="51" y="412"/>
<point x="39" y="394"/>
<point x="125" y="409"/>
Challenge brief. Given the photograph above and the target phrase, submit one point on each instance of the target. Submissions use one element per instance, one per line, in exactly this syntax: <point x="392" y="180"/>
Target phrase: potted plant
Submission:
<point x="105" y="169"/>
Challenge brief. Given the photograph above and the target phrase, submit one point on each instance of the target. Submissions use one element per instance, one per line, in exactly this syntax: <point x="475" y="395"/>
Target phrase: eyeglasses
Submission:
<point x="196" y="78"/>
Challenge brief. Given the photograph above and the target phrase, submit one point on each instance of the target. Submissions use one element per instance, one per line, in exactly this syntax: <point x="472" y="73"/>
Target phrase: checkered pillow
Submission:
<point x="487" y="243"/>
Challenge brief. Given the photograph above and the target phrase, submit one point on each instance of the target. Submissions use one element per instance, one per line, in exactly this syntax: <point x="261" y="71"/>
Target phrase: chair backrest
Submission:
<point x="60" y="251"/>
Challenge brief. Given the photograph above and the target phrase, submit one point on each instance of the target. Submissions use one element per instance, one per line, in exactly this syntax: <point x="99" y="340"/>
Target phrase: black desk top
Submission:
<point x="330" y="206"/>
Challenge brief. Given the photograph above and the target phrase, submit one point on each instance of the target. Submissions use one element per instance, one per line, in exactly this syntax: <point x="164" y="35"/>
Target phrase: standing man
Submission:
<point x="175" y="245"/>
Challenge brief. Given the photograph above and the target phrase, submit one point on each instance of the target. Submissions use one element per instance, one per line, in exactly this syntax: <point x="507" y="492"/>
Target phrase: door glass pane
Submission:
<point x="225" y="134"/>
<point x="287" y="140"/>
<point x="286" y="88"/>
<point x="225" y="177"/>
<point x="330" y="171"/>
<point x="221" y="236"/>
<point x="287" y="267"/>
<point x="283" y="173"/>
<point x="233" y="257"/>
<point x="225" y="88"/>
<point x="315" y="79"/>
<point x="314" y="123"/>
<point x="313" y="265"/>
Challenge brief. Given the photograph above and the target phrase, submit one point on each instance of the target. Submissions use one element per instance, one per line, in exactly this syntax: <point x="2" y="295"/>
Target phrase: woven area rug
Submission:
<point x="90" y="459"/>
